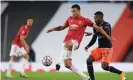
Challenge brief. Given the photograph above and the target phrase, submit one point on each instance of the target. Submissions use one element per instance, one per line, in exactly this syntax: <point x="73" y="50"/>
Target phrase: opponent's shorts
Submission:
<point x="65" y="53"/>
<point x="17" y="51"/>
<point x="103" y="54"/>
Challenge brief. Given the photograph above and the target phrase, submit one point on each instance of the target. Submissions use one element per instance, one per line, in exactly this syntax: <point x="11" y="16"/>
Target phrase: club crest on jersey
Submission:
<point x="73" y="26"/>
<point x="71" y="21"/>
<point x="80" y="22"/>
<point x="23" y="32"/>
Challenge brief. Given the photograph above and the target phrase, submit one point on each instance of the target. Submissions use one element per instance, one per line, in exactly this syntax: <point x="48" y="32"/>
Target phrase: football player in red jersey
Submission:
<point x="77" y="25"/>
<point x="19" y="47"/>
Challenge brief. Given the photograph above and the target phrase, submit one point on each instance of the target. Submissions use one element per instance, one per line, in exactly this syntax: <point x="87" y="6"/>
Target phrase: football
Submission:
<point x="47" y="61"/>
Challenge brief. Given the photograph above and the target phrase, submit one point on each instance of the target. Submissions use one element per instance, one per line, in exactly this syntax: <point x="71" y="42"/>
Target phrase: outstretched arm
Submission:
<point x="59" y="28"/>
<point x="90" y="23"/>
<point x="102" y="32"/>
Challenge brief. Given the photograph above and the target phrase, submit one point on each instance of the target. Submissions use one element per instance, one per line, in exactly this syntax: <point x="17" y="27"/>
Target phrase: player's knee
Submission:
<point x="90" y="59"/>
<point x="68" y="66"/>
<point x="69" y="45"/>
<point x="88" y="62"/>
<point x="13" y="58"/>
<point x="70" y="48"/>
<point x="105" y="67"/>
<point x="68" y="63"/>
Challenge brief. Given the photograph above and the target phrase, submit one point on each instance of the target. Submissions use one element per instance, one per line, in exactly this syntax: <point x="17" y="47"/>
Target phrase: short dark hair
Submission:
<point x="29" y="17"/>
<point x="99" y="13"/>
<point x="76" y="6"/>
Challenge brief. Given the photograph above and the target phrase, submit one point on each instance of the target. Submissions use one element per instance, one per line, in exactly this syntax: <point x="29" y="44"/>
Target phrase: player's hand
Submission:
<point x="88" y="34"/>
<point x="50" y="30"/>
<point x="86" y="48"/>
<point x="111" y="38"/>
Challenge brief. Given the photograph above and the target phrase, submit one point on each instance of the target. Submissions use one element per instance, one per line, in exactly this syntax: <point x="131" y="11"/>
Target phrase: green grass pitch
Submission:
<point x="64" y="76"/>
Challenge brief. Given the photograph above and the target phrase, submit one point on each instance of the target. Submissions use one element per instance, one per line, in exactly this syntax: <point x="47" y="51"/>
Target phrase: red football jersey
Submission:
<point x="77" y="28"/>
<point x="24" y="30"/>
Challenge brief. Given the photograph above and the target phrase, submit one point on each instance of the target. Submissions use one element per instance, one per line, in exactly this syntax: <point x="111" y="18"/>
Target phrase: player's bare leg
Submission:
<point x="25" y="61"/>
<point x="62" y="53"/>
<point x="106" y="67"/>
<point x="11" y="61"/>
<point x="69" y="65"/>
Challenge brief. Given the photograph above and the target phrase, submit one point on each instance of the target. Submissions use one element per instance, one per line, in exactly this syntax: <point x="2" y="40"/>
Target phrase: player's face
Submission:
<point x="97" y="19"/>
<point x="75" y="12"/>
<point x="29" y="22"/>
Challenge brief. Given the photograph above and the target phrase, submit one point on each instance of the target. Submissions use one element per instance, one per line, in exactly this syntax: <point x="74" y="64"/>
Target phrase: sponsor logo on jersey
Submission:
<point x="73" y="26"/>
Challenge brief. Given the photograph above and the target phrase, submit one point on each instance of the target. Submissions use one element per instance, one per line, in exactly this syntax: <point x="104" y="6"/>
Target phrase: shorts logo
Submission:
<point x="106" y="54"/>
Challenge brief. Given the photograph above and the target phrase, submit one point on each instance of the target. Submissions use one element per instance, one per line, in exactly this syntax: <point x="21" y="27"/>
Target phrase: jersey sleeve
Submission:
<point x="67" y="21"/>
<point x="22" y="31"/>
<point x="89" y="22"/>
<point x="107" y="28"/>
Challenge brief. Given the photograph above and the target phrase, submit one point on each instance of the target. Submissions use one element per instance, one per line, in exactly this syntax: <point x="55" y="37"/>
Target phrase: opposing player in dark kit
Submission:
<point x="104" y="50"/>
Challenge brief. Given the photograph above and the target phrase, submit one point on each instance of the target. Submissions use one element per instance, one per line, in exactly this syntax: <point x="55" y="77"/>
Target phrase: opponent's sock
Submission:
<point x="114" y="70"/>
<point x="25" y="61"/>
<point x="75" y="70"/>
<point x="90" y="70"/>
<point x="123" y="76"/>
